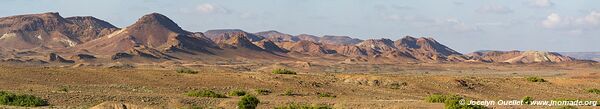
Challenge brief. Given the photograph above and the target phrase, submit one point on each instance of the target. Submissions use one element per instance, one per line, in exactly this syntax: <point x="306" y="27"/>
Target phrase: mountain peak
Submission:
<point x="89" y="20"/>
<point x="156" y="19"/>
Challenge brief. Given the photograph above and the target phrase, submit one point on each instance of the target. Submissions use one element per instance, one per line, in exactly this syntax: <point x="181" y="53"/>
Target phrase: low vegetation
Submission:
<point x="329" y="95"/>
<point x="237" y="93"/>
<point x="451" y="102"/>
<point x="288" y="93"/>
<point x="439" y="98"/>
<point x="536" y="79"/>
<point x="454" y="104"/>
<point x="205" y="93"/>
<point x="527" y="100"/>
<point x="283" y="71"/>
<point x="263" y="91"/>
<point x="594" y="91"/>
<point x="7" y="98"/>
<point x="248" y="102"/>
<point x="186" y="71"/>
<point x="304" y="106"/>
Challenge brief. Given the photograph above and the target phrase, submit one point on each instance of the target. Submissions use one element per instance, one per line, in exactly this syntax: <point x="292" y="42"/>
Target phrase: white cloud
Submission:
<point x="207" y="8"/>
<point x="541" y="3"/>
<point x="593" y="18"/>
<point x="459" y="26"/>
<point x="552" y="21"/>
<point x="495" y="9"/>
<point x="573" y="25"/>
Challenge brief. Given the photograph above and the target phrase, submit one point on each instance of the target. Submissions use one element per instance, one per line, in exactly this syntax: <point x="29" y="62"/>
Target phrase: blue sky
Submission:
<point x="464" y="25"/>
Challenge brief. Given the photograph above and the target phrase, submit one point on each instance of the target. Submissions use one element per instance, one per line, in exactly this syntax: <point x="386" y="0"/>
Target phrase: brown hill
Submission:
<point x="277" y="36"/>
<point x="339" y="40"/>
<point x="152" y="32"/>
<point x="424" y="49"/>
<point x="308" y="37"/>
<point x="270" y="46"/>
<point x="520" y="57"/>
<point x="222" y="35"/>
<point x="50" y="30"/>
<point x="239" y="41"/>
<point x="307" y="47"/>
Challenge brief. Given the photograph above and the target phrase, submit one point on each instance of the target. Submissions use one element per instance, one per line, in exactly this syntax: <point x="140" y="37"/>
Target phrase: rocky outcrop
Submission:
<point x="519" y="57"/>
<point x="50" y="30"/>
<point x="270" y="46"/>
<point x="53" y="57"/>
<point x="223" y="35"/>
<point x="152" y="31"/>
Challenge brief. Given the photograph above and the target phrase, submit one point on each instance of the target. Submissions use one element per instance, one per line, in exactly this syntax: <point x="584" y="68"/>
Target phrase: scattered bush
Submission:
<point x="283" y="71"/>
<point x="288" y="93"/>
<point x="594" y="91"/>
<point x="527" y="100"/>
<point x="186" y="70"/>
<point x="205" y="93"/>
<point x="304" y="106"/>
<point x="451" y="101"/>
<point x="263" y="91"/>
<point x="439" y="98"/>
<point x="21" y="100"/>
<point x="454" y="104"/>
<point x="237" y="93"/>
<point x="536" y="79"/>
<point x="248" y="102"/>
<point x="63" y="89"/>
<point x="326" y="95"/>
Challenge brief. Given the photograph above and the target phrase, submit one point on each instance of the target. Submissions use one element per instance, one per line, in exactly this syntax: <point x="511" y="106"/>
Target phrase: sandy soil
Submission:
<point x="355" y="85"/>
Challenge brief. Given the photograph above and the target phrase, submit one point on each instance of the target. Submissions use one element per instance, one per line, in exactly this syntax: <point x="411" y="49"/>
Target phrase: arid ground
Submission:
<point x="354" y="85"/>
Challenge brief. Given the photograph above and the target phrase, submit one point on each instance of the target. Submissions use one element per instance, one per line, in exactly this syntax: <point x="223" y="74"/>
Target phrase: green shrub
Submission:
<point x="536" y="79"/>
<point x="237" y="93"/>
<point x="263" y="91"/>
<point x="248" y="102"/>
<point x="304" y="106"/>
<point x="594" y="91"/>
<point x="186" y="70"/>
<point x="527" y="100"/>
<point x="63" y="89"/>
<point x="326" y="95"/>
<point x="21" y="100"/>
<point x="288" y="93"/>
<point x="283" y="71"/>
<point x="205" y="93"/>
<point x="439" y="98"/>
<point x="454" y="104"/>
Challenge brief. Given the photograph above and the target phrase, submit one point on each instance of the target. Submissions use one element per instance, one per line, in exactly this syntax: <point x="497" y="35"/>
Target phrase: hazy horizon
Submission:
<point x="463" y="25"/>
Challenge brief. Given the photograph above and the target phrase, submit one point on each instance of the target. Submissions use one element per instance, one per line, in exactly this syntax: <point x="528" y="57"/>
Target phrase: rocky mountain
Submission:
<point x="425" y="49"/>
<point x="50" y="30"/>
<point x="519" y="57"/>
<point x="277" y="36"/>
<point x="270" y="46"/>
<point x="222" y="35"/>
<point x="308" y="37"/>
<point x="153" y="34"/>
<point x="339" y="40"/>
<point x="155" y="37"/>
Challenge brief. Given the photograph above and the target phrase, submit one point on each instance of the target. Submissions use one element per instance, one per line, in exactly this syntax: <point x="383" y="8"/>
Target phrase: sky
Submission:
<point x="463" y="25"/>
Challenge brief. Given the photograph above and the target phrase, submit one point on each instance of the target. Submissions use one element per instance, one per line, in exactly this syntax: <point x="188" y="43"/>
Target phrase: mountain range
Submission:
<point x="47" y="37"/>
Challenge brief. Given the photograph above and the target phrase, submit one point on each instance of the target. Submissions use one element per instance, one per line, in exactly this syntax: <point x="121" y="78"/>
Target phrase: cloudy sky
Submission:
<point x="464" y="25"/>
